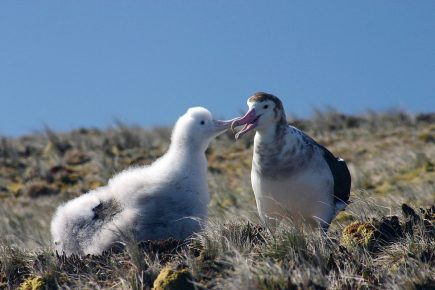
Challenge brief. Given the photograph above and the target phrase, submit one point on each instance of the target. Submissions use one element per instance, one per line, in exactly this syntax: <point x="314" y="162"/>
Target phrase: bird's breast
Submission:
<point x="296" y="190"/>
<point x="281" y="159"/>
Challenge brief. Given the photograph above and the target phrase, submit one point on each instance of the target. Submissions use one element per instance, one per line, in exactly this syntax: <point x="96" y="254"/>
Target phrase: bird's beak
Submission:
<point x="221" y="126"/>
<point x="249" y="120"/>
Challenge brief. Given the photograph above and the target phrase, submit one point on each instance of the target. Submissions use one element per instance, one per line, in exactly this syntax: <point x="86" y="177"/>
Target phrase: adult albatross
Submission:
<point x="292" y="175"/>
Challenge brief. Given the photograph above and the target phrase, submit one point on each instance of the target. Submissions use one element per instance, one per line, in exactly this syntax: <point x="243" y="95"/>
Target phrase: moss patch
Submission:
<point x="344" y="216"/>
<point x="384" y="188"/>
<point x="32" y="283"/>
<point x="170" y="279"/>
<point x="358" y="233"/>
<point x="372" y="234"/>
<point x="15" y="187"/>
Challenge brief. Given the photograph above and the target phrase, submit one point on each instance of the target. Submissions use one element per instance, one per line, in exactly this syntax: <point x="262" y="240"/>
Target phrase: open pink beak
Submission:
<point x="249" y="120"/>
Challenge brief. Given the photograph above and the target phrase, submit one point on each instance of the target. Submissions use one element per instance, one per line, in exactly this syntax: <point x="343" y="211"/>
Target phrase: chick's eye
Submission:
<point x="265" y="106"/>
<point x="202" y="122"/>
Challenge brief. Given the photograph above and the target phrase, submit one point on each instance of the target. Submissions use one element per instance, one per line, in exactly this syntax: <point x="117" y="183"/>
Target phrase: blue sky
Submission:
<point x="79" y="63"/>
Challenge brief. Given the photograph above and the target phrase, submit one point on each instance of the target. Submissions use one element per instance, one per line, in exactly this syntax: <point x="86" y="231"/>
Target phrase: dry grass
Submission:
<point x="391" y="157"/>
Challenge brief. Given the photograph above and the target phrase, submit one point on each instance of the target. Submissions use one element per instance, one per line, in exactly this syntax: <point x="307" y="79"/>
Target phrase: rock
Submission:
<point x="170" y="279"/>
<point x="426" y="216"/>
<point x="409" y="212"/>
<point x="389" y="230"/>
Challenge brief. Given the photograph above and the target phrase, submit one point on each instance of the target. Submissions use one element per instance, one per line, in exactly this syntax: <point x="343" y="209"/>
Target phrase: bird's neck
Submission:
<point x="189" y="166"/>
<point x="187" y="145"/>
<point x="268" y="149"/>
<point x="187" y="153"/>
<point x="278" y="152"/>
<point x="269" y="143"/>
<point x="271" y="135"/>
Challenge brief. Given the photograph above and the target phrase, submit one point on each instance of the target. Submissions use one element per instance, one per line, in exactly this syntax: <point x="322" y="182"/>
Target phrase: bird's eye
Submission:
<point x="202" y="122"/>
<point x="265" y="106"/>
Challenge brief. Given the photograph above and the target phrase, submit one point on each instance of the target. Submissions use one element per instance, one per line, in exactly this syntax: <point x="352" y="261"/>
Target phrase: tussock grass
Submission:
<point x="391" y="157"/>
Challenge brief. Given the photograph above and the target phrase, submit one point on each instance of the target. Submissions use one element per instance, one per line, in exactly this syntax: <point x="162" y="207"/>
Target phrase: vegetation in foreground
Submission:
<point x="385" y="239"/>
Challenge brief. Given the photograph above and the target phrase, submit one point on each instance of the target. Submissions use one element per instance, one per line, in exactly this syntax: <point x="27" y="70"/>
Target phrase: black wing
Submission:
<point x="341" y="174"/>
<point x="338" y="167"/>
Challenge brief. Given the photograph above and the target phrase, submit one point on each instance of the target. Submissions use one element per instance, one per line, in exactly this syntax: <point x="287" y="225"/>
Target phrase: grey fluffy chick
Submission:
<point x="168" y="198"/>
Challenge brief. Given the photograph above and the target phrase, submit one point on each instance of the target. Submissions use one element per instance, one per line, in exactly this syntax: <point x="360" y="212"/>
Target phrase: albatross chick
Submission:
<point x="168" y="198"/>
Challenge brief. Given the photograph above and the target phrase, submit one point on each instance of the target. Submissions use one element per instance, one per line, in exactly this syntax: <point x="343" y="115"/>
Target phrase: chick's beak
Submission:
<point x="221" y="125"/>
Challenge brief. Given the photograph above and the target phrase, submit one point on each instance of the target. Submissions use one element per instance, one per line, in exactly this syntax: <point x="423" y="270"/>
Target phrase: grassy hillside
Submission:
<point x="376" y="243"/>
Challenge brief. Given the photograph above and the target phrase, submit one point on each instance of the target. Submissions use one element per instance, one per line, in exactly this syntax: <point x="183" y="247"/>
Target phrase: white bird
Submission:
<point x="292" y="175"/>
<point x="168" y="198"/>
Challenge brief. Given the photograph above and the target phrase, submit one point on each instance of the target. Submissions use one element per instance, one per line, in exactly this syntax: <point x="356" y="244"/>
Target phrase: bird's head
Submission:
<point x="197" y="128"/>
<point x="265" y="110"/>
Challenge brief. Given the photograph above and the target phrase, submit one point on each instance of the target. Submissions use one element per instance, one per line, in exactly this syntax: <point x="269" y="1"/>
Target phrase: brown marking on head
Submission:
<point x="261" y="97"/>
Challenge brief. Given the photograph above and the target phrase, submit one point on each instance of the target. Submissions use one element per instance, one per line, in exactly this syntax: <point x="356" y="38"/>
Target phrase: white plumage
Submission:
<point x="169" y="198"/>
<point x="292" y="175"/>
